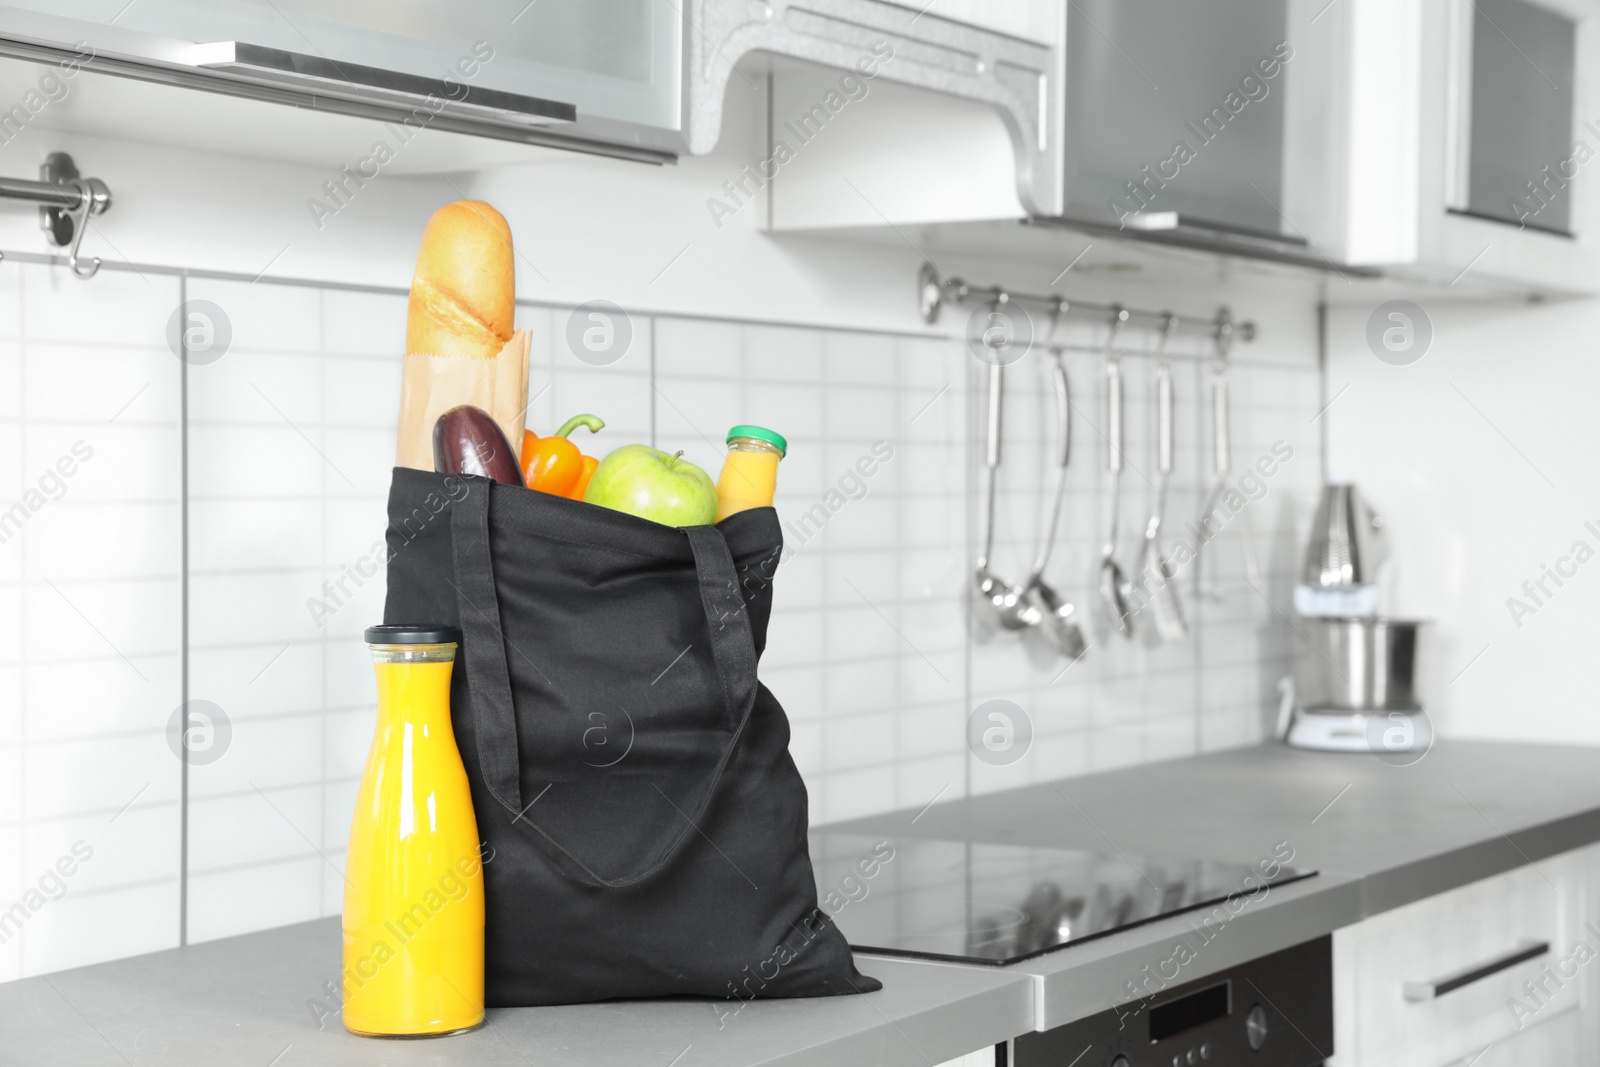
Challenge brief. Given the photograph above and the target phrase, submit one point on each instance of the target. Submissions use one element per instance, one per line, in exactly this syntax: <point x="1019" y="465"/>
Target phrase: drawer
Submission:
<point x="1566" y="1039"/>
<point x="1436" y="981"/>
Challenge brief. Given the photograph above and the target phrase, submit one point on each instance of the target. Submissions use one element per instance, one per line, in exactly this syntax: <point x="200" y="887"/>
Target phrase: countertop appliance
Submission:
<point x="1272" y="1011"/>
<point x="978" y="902"/>
<point x="1354" y="687"/>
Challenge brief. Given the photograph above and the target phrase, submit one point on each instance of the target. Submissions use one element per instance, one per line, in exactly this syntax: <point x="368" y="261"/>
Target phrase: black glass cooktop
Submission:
<point x="997" y="904"/>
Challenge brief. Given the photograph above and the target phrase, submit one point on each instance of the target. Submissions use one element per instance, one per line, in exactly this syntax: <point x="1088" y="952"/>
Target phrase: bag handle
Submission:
<point x="733" y="645"/>
<point x="494" y="709"/>
<point x="483" y="646"/>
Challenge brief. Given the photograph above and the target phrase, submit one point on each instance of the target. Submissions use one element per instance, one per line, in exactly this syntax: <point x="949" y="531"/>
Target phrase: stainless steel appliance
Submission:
<point x="1355" y="682"/>
<point x="1355" y="686"/>
<point x="1272" y="1011"/>
<point x="1340" y="553"/>
<point x="978" y="902"/>
<point x="1347" y="665"/>
<point x="1342" y="556"/>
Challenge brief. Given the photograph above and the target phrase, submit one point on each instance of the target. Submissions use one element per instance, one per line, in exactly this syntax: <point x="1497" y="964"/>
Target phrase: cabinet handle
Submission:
<point x="1417" y="992"/>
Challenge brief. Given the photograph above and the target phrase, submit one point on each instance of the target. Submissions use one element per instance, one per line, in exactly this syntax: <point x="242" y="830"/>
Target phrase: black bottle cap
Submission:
<point x="421" y="633"/>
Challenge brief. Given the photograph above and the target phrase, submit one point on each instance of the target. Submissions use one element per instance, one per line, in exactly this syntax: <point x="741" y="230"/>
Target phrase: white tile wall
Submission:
<point x="90" y="617"/>
<point x="290" y="441"/>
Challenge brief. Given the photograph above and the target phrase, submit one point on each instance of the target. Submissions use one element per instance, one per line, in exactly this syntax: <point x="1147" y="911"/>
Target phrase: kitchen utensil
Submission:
<point x="1057" y="617"/>
<point x="1115" y="590"/>
<point x="1210" y="523"/>
<point x="1155" y="571"/>
<point x="996" y="601"/>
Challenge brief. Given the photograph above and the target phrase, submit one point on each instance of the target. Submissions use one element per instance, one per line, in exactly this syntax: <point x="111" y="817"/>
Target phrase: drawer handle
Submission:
<point x="1417" y="992"/>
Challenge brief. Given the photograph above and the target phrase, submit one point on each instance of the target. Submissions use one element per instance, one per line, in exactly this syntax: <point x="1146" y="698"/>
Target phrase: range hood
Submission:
<point x="1167" y="123"/>
<point x="1178" y="125"/>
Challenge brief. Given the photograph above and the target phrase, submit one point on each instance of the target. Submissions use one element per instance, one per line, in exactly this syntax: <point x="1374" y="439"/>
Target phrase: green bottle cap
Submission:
<point x="760" y="433"/>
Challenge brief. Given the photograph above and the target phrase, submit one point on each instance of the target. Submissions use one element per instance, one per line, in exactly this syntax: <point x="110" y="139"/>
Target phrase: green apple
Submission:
<point x="654" y="485"/>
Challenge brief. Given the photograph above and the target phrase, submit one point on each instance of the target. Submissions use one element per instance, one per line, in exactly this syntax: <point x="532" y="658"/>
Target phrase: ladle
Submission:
<point x="998" y="602"/>
<point x="1115" y="589"/>
<point x="1057" y="617"/>
<point x="1156" y="572"/>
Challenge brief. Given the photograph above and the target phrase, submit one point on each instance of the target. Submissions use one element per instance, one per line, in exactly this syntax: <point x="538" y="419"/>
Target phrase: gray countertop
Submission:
<point x="246" y="1000"/>
<point x="1380" y="835"/>
<point x="1467" y="810"/>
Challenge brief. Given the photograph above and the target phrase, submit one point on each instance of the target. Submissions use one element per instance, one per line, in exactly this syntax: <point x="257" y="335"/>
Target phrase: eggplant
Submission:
<point x="466" y="440"/>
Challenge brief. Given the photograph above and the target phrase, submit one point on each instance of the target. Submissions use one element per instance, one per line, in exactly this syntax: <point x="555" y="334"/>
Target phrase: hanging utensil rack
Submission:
<point x="66" y="203"/>
<point x="934" y="291"/>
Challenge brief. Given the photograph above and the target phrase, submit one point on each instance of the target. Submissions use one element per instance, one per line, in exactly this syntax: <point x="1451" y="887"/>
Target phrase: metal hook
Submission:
<point x="1057" y="313"/>
<point x="1169" y="326"/>
<point x="1119" y="315"/>
<point x="1224" y="334"/>
<point x="95" y="199"/>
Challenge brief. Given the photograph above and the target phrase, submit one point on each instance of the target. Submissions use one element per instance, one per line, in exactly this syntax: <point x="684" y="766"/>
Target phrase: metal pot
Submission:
<point x="1354" y="664"/>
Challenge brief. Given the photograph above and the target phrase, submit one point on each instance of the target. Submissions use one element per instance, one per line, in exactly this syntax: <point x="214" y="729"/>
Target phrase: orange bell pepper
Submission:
<point x="582" y="485"/>
<point x="554" y="465"/>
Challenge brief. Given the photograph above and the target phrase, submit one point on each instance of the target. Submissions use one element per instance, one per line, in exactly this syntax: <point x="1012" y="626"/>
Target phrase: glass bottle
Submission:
<point x="413" y="900"/>
<point x="750" y="473"/>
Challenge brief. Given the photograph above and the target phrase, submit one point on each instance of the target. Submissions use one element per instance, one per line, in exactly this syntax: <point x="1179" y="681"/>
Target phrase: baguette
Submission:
<point x="463" y="294"/>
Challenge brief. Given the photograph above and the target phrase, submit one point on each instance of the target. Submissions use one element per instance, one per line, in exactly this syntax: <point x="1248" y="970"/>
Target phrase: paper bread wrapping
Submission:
<point x="431" y="385"/>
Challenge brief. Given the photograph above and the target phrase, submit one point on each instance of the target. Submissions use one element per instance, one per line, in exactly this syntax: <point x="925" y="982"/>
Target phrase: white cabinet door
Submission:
<point x="1434" y="982"/>
<point x="1437" y="112"/>
<point x="619" y="62"/>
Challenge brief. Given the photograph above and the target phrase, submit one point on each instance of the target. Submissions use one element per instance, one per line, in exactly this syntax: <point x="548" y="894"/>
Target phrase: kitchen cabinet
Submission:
<point x="1464" y="136"/>
<point x="642" y="79"/>
<point x="1447" y="144"/>
<point x="499" y="68"/>
<point x="1433" y="982"/>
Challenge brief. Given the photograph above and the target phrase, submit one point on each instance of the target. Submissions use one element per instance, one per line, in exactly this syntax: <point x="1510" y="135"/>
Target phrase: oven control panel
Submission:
<point x="1272" y="1011"/>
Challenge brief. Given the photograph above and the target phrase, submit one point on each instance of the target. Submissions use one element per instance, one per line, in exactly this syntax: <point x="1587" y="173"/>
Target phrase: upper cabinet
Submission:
<point x="1445" y="143"/>
<point x="644" y="79"/>
<point x="1441" y="143"/>
<point x="606" y="75"/>
<point x="1463" y="134"/>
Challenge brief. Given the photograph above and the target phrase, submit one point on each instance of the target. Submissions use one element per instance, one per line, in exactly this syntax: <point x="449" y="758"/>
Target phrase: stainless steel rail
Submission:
<point x="66" y="203"/>
<point x="934" y="290"/>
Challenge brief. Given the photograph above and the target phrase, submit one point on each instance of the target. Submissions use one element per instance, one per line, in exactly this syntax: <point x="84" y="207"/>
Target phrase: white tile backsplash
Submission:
<point x="289" y="447"/>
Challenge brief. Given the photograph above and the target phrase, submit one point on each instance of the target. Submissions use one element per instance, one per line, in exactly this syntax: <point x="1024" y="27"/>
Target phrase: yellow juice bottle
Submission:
<point x="413" y="898"/>
<point x="750" y="472"/>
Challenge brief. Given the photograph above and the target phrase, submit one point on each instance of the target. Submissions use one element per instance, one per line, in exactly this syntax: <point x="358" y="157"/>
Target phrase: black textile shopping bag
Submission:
<point x="629" y="773"/>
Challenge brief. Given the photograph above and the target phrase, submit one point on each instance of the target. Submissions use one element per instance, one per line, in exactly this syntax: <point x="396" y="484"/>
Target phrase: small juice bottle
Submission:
<point x="750" y="473"/>
<point x="413" y="899"/>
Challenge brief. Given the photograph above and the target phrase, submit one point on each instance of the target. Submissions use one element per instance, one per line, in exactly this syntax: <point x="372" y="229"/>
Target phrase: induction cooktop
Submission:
<point x="977" y="902"/>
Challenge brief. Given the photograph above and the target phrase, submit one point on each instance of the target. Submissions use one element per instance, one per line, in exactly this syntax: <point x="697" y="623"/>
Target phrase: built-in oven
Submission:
<point x="1272" y="1011"/>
